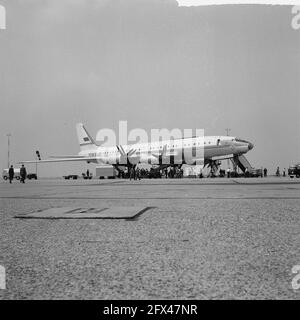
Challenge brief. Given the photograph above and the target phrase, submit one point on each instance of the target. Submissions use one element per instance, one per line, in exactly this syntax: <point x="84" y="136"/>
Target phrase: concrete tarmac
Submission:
<point x="203" y="239"/>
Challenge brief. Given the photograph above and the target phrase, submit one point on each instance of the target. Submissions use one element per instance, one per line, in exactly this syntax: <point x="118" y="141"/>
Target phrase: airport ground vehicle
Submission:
<point x="71" y="176"/>
<point x="31" y="176"/>
<point x="252" y="173"/>
<point x="255" y="173"/>
<point x="106" y="172"/>
<point x="85" y="176"/>
<point x="5" y="175"/>
<point x="294" y="171"/>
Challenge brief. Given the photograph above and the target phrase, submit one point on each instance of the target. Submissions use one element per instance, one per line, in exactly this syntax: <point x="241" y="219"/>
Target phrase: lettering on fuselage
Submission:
<point x="93" y="154"/>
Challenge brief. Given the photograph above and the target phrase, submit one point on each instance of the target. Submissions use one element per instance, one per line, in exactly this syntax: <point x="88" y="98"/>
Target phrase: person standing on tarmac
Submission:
<point x="11" y="173"/>
<point x="228" y="173"/>
<point x="137" y="174"/>
<point x="23" y="174"/>
<point x="131" y="173"/>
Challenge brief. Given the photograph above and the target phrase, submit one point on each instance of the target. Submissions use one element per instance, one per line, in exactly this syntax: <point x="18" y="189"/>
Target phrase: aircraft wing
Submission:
<point x="228" y="156"/>
<point x="62" y="160"/>
<point x="67" y="157"/>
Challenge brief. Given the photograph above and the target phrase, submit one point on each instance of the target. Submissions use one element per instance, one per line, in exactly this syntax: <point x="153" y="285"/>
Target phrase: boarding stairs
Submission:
<point x="242" y="163"/>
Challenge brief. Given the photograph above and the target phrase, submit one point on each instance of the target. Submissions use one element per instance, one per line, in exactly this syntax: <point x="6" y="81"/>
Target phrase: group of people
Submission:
<point x="137" y="173"/>
<point x="278" y="172"/>
<point x="140" y="173"/>
<point x="11" y="174"/>
<point x="263" y="172"/>
<point x="247" y="173"/>
<point x="174" y="172"/>
<point x="134" y="173"/>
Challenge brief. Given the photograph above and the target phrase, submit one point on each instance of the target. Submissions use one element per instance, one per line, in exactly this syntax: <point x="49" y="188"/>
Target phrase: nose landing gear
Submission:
<point x="214" y="166"/>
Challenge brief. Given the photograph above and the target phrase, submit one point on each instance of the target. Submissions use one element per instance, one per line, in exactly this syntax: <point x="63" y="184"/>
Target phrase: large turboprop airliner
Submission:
<point x="195" y="150"/>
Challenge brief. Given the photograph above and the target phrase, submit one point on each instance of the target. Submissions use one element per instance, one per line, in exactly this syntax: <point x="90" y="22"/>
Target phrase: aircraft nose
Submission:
<point x="250" y="146"/>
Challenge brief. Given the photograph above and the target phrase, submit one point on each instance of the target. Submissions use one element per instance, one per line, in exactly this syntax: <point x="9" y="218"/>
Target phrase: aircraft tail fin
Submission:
<point x="85" y="140"/>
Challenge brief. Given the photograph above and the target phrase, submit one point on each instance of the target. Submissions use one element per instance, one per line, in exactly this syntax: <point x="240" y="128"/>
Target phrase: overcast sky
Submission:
<point x="153" y="64"/>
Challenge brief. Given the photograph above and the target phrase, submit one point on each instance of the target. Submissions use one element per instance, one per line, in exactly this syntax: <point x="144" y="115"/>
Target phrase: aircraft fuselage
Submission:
<point x="181" y="151"/>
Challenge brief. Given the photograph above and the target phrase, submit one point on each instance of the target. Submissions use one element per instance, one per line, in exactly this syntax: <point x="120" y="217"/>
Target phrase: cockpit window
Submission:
<point x="241" y="140"/>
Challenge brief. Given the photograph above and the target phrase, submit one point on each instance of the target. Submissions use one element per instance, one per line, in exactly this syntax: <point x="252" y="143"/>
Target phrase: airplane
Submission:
<point x="175" y="152"/>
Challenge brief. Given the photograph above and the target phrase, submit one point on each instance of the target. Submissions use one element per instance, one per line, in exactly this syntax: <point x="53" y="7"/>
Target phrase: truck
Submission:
<point x="294" y="171"/>
<point x="108" y="172"/>
<point x="5" y="175"/>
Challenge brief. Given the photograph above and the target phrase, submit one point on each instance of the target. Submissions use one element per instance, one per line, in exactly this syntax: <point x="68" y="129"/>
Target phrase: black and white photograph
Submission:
<point x="150" y="151"/>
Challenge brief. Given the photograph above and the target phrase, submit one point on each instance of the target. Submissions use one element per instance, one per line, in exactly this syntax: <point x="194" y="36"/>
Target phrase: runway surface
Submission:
<point x="202" y="239"/>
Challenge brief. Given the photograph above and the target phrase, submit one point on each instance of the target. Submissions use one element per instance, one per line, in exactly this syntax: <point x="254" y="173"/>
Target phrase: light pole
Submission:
<point x="8" y="146"/>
